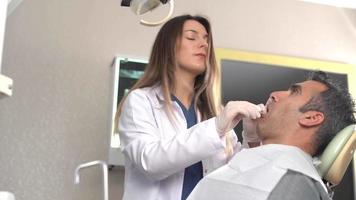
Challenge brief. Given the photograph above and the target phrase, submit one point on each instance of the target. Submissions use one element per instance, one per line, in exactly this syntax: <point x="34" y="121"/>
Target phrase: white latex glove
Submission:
<point x="233" y="112"/>
<point x="249" y="127"/>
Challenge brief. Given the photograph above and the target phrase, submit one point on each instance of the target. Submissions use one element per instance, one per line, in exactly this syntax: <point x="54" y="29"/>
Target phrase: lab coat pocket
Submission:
<point x="214" y="162"/>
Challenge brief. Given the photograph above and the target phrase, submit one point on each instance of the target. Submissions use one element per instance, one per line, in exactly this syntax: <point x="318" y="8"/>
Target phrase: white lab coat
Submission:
<point x="253" y="173"/>
<point x="157" y="152"/>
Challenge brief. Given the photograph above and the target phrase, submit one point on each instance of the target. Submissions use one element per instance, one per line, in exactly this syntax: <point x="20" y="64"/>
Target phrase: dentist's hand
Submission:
<point x="249" y="134"/>
<point x="233" y="112"/>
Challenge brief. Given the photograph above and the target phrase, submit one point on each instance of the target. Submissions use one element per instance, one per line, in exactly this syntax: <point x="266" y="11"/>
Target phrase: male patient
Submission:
<point x="299" y="123"/>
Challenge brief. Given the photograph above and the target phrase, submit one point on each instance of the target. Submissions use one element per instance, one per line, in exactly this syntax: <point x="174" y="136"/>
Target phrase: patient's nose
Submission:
<point x="272" y="97"/>
<point x="275" y="96"/>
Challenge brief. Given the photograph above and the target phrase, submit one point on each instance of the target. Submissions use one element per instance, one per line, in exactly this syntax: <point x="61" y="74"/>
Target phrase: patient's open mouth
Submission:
<point x="264" y="114"/>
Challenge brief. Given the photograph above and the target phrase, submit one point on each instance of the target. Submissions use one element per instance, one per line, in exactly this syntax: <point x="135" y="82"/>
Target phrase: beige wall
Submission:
<point x="59" y="52"/>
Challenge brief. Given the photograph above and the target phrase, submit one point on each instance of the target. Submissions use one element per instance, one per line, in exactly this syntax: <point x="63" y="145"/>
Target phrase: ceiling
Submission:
<point x="337" y="3"/>
<point x="349" y="5"/>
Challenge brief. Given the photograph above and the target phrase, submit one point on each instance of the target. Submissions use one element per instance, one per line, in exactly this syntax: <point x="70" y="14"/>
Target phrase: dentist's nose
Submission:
<point x="204" y="43"/>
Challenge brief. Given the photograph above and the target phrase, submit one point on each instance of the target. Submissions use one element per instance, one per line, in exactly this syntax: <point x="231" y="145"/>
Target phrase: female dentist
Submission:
<point x="171" y="129"/>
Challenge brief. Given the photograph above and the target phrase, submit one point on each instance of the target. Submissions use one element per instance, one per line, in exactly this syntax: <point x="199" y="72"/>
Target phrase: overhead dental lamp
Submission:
<point x="140" y="7"/>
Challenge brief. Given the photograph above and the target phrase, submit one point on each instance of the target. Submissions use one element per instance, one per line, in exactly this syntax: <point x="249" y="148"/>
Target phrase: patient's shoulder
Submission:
<point x="296" y="186"/>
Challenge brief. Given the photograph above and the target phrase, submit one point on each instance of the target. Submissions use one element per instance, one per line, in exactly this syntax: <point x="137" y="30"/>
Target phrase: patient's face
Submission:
<point x="283" y="109"/>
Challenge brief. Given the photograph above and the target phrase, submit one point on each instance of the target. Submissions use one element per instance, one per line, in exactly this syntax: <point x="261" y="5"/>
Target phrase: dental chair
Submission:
<point x="336" y="157"/>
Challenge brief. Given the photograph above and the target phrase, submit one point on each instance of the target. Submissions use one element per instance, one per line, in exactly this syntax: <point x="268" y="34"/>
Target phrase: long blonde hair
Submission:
<point x="162" y="62"/>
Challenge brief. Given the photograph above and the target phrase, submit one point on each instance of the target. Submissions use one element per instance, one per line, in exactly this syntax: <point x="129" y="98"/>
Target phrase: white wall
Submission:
<point x="59" y="54"/>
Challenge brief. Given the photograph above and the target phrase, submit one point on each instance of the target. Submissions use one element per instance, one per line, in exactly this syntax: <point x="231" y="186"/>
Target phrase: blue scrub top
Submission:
<point x="193" y="173"/>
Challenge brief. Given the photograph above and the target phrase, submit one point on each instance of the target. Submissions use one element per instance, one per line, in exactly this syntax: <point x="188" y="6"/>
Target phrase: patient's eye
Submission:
<point x="295" y="89"/>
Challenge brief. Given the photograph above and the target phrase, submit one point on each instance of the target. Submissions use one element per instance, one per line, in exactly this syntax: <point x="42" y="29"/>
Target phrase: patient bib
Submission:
<point x="254" y="173"/>
<point x="263" y="167"/>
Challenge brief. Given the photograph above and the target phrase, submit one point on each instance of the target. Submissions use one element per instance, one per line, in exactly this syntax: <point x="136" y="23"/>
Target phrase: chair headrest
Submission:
<point x="338" y="155"/>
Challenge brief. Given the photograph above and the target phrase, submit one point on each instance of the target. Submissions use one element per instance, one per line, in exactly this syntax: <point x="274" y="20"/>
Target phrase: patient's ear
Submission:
<point x="311" y="118"/>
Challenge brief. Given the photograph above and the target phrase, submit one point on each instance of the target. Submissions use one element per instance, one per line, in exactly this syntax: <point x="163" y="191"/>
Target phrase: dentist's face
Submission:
<point x="192" y="48"/>
<point x="283" y="112"/>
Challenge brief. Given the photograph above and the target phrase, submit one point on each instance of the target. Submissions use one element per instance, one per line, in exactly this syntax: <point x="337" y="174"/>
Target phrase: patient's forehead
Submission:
<point x="312" y="87"/>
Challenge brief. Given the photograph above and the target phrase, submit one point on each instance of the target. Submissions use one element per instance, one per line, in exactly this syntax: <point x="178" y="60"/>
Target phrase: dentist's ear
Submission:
<point x="311" y="118"/>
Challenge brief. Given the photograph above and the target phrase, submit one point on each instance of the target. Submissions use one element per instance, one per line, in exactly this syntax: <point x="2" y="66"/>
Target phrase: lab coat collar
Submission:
<point x="157" y="94"/>
<point x="157" y="90"/>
